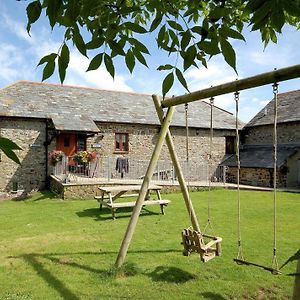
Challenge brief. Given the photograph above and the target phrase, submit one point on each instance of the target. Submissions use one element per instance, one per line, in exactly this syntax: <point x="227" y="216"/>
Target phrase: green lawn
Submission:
<point x="54" y="249"/>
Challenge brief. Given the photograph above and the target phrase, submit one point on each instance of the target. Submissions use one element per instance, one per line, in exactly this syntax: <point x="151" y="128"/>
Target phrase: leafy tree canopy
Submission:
<point x="189" y="31"/>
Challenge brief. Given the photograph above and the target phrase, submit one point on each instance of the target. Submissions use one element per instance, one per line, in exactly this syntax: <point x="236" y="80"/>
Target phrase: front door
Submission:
<point x="67" y="142"/>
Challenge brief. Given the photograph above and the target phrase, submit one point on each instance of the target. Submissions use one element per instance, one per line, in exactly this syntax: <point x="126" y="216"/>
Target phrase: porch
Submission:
<point x="82" y="181"/>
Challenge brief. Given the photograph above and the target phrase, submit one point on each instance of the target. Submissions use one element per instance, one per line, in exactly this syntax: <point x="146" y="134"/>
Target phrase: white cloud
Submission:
<point x="264" y="102"/>
<point x="77" y="75"/>
<point x="42" y="44"/>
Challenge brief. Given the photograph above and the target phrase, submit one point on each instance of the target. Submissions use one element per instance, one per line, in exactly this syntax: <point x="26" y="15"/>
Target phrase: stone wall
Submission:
<point x="287" y="133"/>
<point x="256" y="177"/>
<point x="30" y="135"/>
<point x="142" y="139"/>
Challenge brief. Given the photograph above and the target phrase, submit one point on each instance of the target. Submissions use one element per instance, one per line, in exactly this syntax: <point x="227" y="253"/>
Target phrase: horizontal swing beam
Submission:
<point x="237" y="85"/>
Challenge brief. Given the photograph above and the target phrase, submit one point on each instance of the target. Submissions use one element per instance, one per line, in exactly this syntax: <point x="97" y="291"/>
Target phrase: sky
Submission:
<point x="20" y="54"/>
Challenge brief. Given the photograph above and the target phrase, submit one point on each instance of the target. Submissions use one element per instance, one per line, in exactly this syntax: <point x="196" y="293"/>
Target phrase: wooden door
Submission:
<point x="66" y="142"/>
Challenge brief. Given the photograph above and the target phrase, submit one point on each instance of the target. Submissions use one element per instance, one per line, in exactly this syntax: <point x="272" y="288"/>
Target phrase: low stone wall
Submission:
<point x="255" y="176"/>
<point x="68" y="191"/>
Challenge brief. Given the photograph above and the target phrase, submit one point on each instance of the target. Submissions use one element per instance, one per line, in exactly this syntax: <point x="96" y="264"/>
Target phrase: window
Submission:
<point x="66" y="142"/>
<point x="121" y="142"/>
<point x="81" y="143"/>
<point x="230" y="144"/>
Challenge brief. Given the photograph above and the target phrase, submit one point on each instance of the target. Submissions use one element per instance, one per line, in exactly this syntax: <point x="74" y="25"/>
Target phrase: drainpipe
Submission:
<point x="46" y="144"/>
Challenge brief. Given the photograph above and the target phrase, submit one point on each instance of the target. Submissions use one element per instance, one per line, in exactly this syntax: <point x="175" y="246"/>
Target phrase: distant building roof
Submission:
<point x="261" y="156"/>
<point x="77" y="108"/>
<point x="288" y="110"/>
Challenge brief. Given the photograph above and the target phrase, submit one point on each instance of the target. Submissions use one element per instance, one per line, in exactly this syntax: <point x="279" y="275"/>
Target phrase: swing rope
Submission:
<point x="209" y="225"/>
<point x="237" y="98"/>
<point x="240" y="260"/>
<point x="275" y="93"/>
<point x="192" y="240"/>
<point x="186" y="108"/>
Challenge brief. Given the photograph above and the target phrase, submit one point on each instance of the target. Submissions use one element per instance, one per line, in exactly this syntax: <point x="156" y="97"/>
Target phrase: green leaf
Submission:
<point x="78" y="41"/>
<point x="48" y="70"/>
<point x="11" y="154"/>
<point x="175" y="25"/>
<point x="115" y="47"/>
<point x="189" y="57"/>
<point x="73" y="10"/>
<point x="47" y="58"/>
<point x="156" y="22"/>
<point x="7" y="146"/>
<point x="165" y="67"/>
<point x="278" y="18"/>
<point x="174" y="37"/>
<point x="138" y="45"/>
<point x="229" y="32"/>
<point x="95" y="43"/>
<point x="228" y="53"/>
<point x="130" y="60"/>
<point x="210" y="48"/>
<point x="109" y="65"/>
<point x="63" y="62"/>
<point x="135" y="27"/>
<point x="186" y="38"/>
<point x="167" y="83"/>
<point x="52" y="10"/>
<point x="33" y="10"/>
<point x="95" y="62"/>
<point x="161" y="35"/>
<point x="181" y="79"/>
<point x="139" y="57"/>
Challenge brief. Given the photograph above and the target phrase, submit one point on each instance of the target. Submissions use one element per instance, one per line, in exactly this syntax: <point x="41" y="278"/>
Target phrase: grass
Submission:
<point x="55" y="249"/>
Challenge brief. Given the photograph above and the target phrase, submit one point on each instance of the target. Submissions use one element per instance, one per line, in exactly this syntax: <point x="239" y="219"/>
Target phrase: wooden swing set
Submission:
<point x="194" y="240"/>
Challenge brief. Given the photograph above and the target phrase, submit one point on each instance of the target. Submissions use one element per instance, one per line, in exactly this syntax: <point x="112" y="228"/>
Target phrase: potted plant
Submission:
<point x="84" y="157"/>
<point x="55" y="156"/>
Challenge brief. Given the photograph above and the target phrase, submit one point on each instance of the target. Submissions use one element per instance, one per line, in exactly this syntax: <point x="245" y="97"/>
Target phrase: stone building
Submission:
<point x="42" y="117"/>
<point x="256" y="150"/>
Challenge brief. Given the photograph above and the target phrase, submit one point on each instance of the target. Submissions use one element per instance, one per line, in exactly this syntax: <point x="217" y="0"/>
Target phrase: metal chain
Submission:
<point x="275" y="93"/>
<point x="237" y="98"/>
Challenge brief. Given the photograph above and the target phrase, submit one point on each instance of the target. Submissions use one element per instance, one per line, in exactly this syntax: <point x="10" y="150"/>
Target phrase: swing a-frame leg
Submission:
<point x="194" y="241"/>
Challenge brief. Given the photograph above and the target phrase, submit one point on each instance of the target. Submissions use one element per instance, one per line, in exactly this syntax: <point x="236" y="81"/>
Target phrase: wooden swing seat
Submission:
<point x="248" y="263"/>
<point x="193" y="241"/>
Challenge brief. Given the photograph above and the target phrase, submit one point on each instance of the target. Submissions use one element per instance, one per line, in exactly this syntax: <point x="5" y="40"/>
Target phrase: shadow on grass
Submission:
<point x="171" y="274"/>
<point x="212" y="296"/>
<point x="128" y="269"/>
<point x="44" y="195"/>
<point x="52" y="280"/>
<point x="105" y="213"/>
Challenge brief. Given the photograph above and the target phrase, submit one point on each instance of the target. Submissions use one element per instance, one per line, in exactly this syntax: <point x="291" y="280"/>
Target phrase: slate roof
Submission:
<point x="77" y="108"/>
<point x="254" y="156"/>
<point x="288" y="110"/>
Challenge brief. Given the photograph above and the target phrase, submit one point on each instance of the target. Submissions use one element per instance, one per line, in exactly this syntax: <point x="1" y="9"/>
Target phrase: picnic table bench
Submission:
<point x="109" y="195"/>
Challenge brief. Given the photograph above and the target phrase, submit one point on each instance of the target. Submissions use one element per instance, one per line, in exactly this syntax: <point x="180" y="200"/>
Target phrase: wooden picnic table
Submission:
<point x="109" y="195"/>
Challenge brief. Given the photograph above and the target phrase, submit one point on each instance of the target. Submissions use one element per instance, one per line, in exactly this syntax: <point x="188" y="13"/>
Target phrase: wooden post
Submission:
<point x="144" y="188"/>
<point x="296" y="294"/>
<point x="179" y="173"/>
<point x="237" y="85"/>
